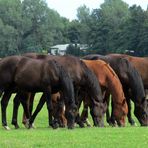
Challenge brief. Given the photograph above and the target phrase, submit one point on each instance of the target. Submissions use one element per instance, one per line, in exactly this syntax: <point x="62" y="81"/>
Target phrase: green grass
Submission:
<point x="43" y="136"/>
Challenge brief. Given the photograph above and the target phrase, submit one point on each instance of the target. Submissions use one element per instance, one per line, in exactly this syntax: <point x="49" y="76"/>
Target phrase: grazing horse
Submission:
<point x="83" y="78"/>
<point x="59" y="109"/>
<point x="141" y="65"/>
<point x="131" y="80"/>
<point x="110" y="82"/>
<point x="58" y="112"/>
<point x="31" y="75"/>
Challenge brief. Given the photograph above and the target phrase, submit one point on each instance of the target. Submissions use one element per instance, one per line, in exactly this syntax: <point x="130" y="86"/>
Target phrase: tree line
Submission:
<point x="30" y="25"/>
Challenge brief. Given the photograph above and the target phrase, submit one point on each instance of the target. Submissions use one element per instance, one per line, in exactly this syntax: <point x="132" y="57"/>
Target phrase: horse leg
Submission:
<point x="29" y="105"/>
<point x="23" y="99"/>
<point x="37" y="110"/>
<point x="4" y="104"/>
<point x="84" y="115"/>
<point x="51" y="122"/>
<point x="130" y="119"/>
<point x="107" y="99"/>
<point x="112" y="119"/>
<point x="78" y="118"/>
<point x="16" y="103"/>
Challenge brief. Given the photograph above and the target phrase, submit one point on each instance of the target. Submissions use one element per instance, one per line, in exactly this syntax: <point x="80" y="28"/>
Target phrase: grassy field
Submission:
<point x="43" y="136"/>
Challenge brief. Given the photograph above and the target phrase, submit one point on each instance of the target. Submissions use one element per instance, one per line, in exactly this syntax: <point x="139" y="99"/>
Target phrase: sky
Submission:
<point x="68" y="8"/>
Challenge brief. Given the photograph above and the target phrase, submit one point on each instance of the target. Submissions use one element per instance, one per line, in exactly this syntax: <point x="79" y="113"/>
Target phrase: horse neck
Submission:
<point x="136" y="84"/>
<point x="67" y="85"/>
<point x="114" y="86"/>
<point x="92" y="84"/>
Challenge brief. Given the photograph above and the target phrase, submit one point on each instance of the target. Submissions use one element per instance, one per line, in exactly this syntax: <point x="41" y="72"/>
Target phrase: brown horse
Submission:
<point x="59" y="109"/>
<point x="58" y="113"/>
<point x="31" y="75"/>
<point x="109" y="81"/>
<point x="131" y="80"/>
<point x="141" y="65"/>
<point x="83" y="79"/>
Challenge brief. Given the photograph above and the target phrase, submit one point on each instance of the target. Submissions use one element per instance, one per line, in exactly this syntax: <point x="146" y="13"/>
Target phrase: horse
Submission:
<point x="140" y="63"/>
<point x="31" y="75"/>
<point x="83" y="78"/>
<point x="58" y="112"/>
<point x="59" y="109"/>
<point x="110" y="82"/>
<point x="130" y="80"/>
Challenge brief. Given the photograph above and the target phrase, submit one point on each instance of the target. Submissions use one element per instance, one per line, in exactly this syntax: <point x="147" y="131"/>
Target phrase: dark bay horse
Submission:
<point x="31" y="75"/>
<point x="131" y="80"/>
<point x="110" y="82"/>
<point x="140" y="63"/>
<point x="83" y="79"/>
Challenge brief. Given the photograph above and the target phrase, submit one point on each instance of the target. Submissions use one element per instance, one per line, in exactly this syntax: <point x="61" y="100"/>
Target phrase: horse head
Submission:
<point x="141" y="112"/>
<point x="121" y="116"/>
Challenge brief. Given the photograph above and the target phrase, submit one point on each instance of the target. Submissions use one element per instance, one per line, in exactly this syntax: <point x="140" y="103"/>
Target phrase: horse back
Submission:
<point x="34" y="74"/>
<point x="140" y="63"/>
<point x="8" y="67"/>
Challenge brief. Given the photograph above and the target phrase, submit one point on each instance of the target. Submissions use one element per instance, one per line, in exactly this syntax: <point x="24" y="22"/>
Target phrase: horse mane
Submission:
<point x="110" y="69"/>
<point x="66" y="82"/>
<point x="135" y="80"/>
<point x="92" y="82"/>
<point x="95" y="57"/>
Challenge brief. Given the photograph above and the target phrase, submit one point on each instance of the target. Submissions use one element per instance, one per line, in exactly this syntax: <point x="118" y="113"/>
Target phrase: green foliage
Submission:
<point x="30" y="25"/>
<point x="73" y="50"/>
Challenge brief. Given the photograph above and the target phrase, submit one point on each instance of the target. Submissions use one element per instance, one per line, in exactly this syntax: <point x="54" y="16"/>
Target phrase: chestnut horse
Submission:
<point x="131" y="80"/>
<point x="31" y="75"/>
<point x="83" y="79"/>
<point x="110" y="82"/>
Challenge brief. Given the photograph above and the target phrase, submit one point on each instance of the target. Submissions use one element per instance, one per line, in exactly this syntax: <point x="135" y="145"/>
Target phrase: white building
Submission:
<point x="59" y="49"/>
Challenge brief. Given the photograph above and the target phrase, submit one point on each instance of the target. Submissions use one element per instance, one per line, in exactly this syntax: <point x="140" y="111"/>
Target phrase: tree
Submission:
<point x="105" y="25"/>
<point x="73" y="50"/>
<point x="10" y="26"/>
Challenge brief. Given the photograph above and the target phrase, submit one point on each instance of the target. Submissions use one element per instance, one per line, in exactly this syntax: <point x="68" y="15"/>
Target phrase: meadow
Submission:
<point x="44" y="136"/>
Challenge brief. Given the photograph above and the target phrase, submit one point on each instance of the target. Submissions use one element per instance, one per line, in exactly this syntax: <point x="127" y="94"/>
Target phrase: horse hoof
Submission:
<point x="16" y="127"/>
<point x="6" y="127"/>
<point x="62" y="126"/>
<point x="33" y="126"/>
<point x="27" y="125"/>
<point x="89" y="125"/>
<point x="70" y="128"/>
<point x="55" y="126"/>
<point x="81" y="125"/>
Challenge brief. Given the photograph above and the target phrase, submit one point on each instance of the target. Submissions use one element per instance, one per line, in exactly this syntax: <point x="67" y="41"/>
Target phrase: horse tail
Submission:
<point x="135" y="81"/>
<point x="91" y="81"/>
